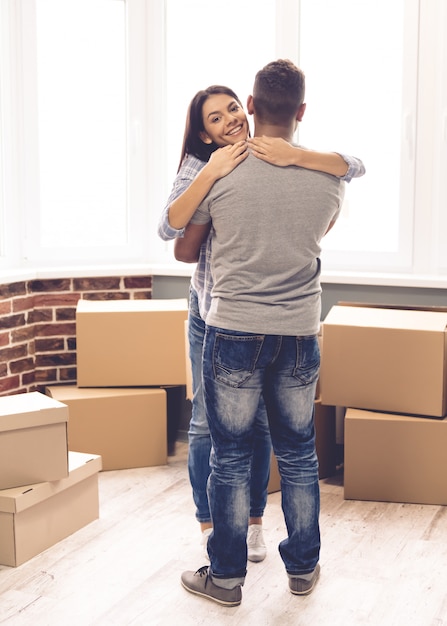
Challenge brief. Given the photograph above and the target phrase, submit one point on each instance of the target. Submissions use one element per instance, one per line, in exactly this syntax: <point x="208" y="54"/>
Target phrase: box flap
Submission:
<point x="131" y="306"/>
<point x="69" y="393"/>
<point x="372" y="317"/>
<point x="80" y="466"/>
<point x="364" y="414"/>
<point x="26" y="410"/>
<point x="402" y="307"/>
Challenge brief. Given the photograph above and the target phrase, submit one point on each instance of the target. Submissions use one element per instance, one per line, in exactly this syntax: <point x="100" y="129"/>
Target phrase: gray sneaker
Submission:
<point x="201" y="584"/>
<point x="301" y="586"/>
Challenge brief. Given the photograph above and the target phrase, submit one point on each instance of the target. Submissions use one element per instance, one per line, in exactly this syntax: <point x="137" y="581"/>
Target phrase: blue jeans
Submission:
<point x="199" y="434"/>
<point x="238" y="368"/>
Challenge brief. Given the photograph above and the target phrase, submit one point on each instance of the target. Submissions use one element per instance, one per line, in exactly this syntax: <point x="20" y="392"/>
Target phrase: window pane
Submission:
<point x="440" y="169"/>
<point x="218" y="46"/>
<point x="2" y="187"/>
<point x="82" y="122"/>
<point x="353" y="60"/>
<point x="6" y="124"/>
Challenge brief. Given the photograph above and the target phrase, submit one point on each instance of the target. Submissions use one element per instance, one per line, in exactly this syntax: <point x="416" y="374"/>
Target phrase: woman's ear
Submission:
<point x="205" y="137"/>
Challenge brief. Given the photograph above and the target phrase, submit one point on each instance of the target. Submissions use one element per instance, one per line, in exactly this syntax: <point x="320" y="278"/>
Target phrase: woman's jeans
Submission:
<point x="199" y="434"/>
<point x="239" y="368"/>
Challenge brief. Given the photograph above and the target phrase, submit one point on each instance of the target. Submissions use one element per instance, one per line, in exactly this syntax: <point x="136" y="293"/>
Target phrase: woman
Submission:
<point x="215" y="142"/>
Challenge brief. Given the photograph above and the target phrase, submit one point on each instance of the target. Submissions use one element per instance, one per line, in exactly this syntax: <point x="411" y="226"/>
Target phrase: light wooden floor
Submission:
<point x="382" y="564"/>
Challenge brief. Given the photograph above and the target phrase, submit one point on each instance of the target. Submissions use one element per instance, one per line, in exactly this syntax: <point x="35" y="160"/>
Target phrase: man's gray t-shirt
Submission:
<point x="268" y="222"/>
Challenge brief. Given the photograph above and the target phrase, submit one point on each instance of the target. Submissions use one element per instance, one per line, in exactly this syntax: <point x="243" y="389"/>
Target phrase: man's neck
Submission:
<point x="269" y="130"/>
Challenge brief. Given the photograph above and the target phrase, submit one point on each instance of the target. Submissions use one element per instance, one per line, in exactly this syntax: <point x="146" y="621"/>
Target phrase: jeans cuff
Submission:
<point x="227" y="583"/>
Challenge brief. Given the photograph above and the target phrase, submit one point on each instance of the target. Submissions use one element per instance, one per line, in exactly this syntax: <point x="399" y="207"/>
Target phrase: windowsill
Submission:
<point x="422" y="281"/>
<point x="8" y="276"/>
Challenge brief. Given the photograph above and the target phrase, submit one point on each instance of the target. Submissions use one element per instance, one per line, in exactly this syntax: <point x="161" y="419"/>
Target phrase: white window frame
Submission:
<point x="138" y="113"/>
<point x="436" y="23"/>
<point x="10" y="139"/>
<point x="368" y="260"/>
<point x="422" y="259"/>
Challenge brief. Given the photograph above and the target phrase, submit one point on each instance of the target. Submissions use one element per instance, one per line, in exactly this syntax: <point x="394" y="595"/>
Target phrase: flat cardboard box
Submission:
<point x="35" y="517"/>
<point x="385" y="359"/>
<point x="395" y="458"/>
<point x="126" y="426"/>
<point x="33" y="439"/>
<point x="325" y="443"/>
<point x="131" y="343"/>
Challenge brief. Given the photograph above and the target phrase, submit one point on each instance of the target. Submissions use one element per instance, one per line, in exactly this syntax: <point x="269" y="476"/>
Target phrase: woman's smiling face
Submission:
<point x="224" y="120"/>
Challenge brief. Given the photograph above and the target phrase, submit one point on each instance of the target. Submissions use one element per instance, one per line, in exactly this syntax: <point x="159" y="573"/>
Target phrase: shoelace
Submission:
<point x="203" y="571"/>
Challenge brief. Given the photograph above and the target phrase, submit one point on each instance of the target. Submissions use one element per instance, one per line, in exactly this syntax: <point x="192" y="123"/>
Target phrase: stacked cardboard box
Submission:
<point x="131" y="343"/>
<point x="388" y="367"/>
<point x="46" y="492"/>
<point x="33" y="440"/>
<point x="126" y="426"/>
<point x="130" y="368"/>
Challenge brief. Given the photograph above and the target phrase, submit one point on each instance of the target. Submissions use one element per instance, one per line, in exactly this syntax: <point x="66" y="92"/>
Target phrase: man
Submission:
<point x="261" y="339"/>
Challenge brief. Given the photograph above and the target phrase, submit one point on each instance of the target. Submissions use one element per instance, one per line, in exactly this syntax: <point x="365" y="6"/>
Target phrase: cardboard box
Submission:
<point x="275" y="478"/>
<point x="325" y="443"/>
<point x="127" y="427"/>
<point x="176" y="409"/>
<point x="33" y="439"/>
<point x="325" y="439"/>
<point x="385" y="359"/>
<point x="320" y="344"/>
<point x="35" y="517"/>
<point x="189" y="393"/>
<point x="130" y="343"/>
<point x="395" y="458"/>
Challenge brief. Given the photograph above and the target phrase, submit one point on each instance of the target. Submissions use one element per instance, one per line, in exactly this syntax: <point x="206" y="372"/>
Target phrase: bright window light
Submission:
<point x="81" y="77"/>
<point x="353" y="60"/>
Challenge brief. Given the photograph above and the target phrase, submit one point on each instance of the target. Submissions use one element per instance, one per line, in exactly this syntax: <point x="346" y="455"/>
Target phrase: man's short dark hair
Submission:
<point x="278" y="92"/>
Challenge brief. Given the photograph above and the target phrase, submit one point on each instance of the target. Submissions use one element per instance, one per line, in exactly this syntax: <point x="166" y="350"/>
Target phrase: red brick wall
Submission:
<point x="38" y="326"/>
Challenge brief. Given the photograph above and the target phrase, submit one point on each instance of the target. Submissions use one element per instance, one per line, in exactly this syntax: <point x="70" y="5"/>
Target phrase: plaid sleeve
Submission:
<point x="189" y="169"/>
<point x="356" y="169"/>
